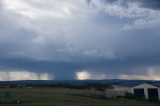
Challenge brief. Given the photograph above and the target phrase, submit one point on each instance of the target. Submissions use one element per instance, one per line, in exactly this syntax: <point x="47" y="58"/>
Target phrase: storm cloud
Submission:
<point x="153" y="4"/>
<point x="86" y="39"/>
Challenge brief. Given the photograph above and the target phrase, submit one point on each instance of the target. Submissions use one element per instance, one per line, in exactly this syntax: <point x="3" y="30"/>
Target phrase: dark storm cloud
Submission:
<point x="113" y="38"/>
<point x="153" y="4"/>
<point x="104" y="1"/>
<point x="60" y="70"/>
<point x="67" y="70"/>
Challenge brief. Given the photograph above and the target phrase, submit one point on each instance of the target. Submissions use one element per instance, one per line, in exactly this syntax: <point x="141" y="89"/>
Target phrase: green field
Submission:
<point x="63" y="97"/>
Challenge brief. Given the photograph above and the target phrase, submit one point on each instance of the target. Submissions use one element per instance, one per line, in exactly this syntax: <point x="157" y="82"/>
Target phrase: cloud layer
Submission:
<point x="23" y="75"/>
<point x="59" y="38"/>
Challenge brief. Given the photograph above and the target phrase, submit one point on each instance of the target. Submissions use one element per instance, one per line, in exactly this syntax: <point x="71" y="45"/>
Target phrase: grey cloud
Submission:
<point x="68" y="70"/>
<point x="153" y="4"/>
<point x="79" y="39"/>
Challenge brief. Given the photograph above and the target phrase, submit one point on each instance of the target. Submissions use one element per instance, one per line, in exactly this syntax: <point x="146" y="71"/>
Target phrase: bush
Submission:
<point x="129" y="96"/>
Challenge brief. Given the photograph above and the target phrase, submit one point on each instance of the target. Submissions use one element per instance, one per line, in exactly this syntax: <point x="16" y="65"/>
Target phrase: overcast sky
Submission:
<point x="79" y="39"/>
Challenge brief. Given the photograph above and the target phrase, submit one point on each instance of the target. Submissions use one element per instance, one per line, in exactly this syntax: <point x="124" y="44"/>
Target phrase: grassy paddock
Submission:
<point x="63" y="97"/>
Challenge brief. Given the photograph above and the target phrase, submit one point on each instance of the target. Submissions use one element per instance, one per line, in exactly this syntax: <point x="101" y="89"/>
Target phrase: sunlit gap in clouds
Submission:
<point x="23" y="75"/>
<point x="151" y="75"/>
<point x="84" y="75"/>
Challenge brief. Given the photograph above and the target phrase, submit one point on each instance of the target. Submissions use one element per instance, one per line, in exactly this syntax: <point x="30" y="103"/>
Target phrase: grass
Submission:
<point x="64" y="97"/>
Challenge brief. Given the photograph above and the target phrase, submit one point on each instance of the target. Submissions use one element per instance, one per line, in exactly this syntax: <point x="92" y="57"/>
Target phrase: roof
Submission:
<point x="145" y="85"/>
<point x="129" y="84"/>
<point x="133" y="84"/>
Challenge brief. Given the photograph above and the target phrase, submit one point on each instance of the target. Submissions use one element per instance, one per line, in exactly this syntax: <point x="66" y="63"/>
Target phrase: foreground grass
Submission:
<point x="64" y="97"/>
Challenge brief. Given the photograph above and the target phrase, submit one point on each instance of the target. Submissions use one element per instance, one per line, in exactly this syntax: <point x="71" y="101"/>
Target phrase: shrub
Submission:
<point x="129" y="96"/>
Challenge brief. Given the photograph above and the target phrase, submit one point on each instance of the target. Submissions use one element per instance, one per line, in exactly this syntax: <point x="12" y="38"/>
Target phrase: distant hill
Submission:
<point x="78" y="82"/>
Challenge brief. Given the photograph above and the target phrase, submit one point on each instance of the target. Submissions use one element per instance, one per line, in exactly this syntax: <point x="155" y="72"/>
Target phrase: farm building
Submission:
<point x="111" y="93"/>
<point x="118" y="90"/>
<point x="139" y="91"/>
<point x="146" y="91"/>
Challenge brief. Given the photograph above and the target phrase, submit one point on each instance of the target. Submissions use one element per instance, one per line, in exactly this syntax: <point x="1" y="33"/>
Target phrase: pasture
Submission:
<point x="62" y="97"/>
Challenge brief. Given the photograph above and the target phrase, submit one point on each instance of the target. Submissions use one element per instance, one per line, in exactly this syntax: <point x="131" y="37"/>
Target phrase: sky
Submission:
<point x="79" y="39"/>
